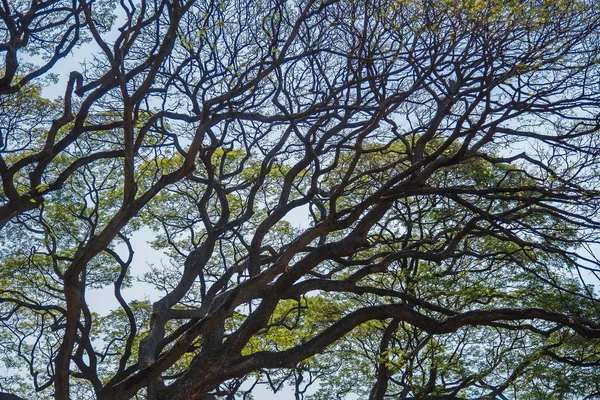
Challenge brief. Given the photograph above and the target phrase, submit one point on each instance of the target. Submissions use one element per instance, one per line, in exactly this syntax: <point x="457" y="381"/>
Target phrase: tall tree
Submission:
<point x="383" y="197"/>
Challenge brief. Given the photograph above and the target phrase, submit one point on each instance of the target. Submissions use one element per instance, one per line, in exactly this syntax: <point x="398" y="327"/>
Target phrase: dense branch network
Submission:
<point x="391" y="199"/>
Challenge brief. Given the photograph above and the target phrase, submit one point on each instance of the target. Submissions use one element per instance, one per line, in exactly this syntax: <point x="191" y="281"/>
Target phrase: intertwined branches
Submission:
<point x="409" y="187"/>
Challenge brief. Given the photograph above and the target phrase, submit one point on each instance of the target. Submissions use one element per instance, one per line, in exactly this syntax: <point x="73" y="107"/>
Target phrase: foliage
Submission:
<point x="350" y="198"/>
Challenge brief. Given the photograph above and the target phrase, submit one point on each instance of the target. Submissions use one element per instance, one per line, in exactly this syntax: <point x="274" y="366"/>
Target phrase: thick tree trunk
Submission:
<point x="8" y="396"/>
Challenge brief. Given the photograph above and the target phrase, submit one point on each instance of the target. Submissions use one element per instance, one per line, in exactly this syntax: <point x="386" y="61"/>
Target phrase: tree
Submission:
<point x="444" y="154"/>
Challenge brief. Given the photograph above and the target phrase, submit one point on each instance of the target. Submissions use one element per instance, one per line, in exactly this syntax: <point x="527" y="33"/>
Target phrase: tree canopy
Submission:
<point x="382" y="199"/>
